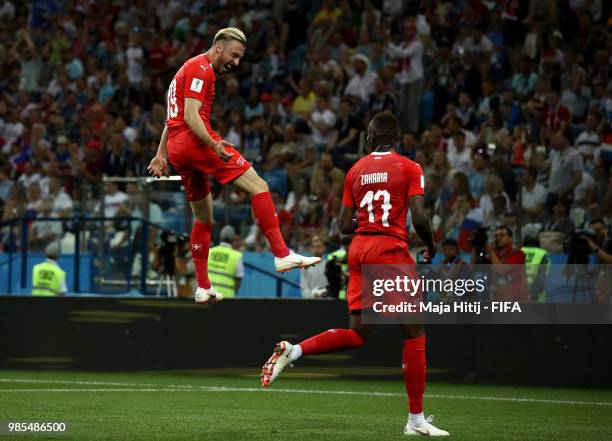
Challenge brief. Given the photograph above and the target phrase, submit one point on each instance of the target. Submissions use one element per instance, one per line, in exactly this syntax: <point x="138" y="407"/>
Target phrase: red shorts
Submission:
<point x="372" y="250"/>
<point x="194" y="161"/>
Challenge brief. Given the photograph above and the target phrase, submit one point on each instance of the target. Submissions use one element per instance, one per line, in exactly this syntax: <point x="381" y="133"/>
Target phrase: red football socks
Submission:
<point x="413" y="367"/>
<point x="200" y="244"/>
<point x="265" y="213"/>
<point x="331" y="340"/>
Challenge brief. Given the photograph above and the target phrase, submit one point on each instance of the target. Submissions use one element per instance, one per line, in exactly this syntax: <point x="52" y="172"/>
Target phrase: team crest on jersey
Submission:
<point x="196" y="85"/>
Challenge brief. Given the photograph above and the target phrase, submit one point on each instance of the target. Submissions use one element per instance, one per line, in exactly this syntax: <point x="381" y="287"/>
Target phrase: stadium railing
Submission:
<point x="96" y="262"/>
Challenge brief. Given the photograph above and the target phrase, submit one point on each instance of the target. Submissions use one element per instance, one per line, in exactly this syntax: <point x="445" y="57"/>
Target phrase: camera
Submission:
<point x="478" y="240"/>
<point x="577" y="248"/>
<point x="169" y="244"/>
<point x="334" y="275"/>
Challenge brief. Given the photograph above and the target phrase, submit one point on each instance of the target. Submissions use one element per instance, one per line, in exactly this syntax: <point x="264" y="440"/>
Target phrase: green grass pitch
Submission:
<point x="214" y="405"/>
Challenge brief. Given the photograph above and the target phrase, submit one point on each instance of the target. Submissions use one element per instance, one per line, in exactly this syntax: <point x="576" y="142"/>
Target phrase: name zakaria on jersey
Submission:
<point x="195" y="79"/>
<point x="379" y="186"/>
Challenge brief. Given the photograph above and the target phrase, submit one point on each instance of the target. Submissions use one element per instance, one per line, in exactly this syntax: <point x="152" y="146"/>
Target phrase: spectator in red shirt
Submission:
<point x="555" y="116"/>
<point x="511" y="283"/>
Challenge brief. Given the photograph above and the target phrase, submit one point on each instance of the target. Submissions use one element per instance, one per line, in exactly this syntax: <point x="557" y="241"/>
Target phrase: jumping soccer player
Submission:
<point x="196" y="151"/>
<point x="381" y="187"/>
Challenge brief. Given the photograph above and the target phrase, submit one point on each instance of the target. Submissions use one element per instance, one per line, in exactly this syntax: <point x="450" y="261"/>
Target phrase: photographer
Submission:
<point x="602" y="245"/>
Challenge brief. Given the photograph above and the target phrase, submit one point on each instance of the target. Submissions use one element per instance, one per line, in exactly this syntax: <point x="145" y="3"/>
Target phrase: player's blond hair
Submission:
<point x="230" y="34"/>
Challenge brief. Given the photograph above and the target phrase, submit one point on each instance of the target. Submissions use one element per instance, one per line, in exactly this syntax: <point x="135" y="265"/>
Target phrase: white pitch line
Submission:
<point x="152" y="387"/>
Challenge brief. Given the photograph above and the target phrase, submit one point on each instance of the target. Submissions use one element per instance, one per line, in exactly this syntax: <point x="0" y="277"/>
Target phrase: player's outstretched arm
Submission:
<point x="421" y="223"/>
<point x="159" y="164"/>
<point x="348" y="225"/>
<point x="196" y="125"/>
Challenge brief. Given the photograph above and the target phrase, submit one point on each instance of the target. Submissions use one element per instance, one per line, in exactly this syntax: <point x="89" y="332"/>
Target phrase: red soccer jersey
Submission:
<point x="379" y="186"/>
<point x="195" y="79"/>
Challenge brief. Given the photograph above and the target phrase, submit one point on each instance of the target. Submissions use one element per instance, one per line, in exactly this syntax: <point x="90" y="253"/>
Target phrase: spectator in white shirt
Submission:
<point x="409" y="54"/>
<point x="62" y="203"/>
<point x="44" y="231"/>
<point x="312" y="282"/>
<point x="459" y="155"/>
<point x="533" y="198"/>
<point x="135" y="60"/>
<point x="113" y="199"/>
<point x="588" y="140"/>
<point x="362" y="84"/>
<point x="322" y="121"/>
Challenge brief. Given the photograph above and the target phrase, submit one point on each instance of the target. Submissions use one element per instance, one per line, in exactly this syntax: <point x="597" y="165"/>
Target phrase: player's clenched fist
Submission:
<point x="158" y="167"/>
<point x="219" y="148"/>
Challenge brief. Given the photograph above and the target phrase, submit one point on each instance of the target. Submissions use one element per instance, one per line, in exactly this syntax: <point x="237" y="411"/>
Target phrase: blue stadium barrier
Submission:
<point x="261" y="279"/>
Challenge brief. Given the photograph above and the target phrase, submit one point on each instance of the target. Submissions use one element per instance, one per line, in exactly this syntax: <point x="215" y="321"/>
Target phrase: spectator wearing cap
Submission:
<point x="409" y="56"/>
<point x="48" y="279"/>
<point x="362" y="83"/>
<point x="225" y="264"/>
<point x="480" y="168"/>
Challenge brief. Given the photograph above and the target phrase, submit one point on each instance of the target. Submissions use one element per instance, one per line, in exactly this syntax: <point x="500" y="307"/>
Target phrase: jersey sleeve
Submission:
<point x="347" y="195"/>
<point x="415" y="178"/>
<point x="197" y="80"/>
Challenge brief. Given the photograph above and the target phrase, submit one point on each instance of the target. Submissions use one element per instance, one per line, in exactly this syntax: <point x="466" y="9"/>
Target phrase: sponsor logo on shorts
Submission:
<point x="240" y="161"/>
<point x="196" y="246"/>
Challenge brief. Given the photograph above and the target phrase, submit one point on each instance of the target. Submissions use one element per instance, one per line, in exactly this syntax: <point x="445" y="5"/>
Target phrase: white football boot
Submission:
<point x="426" y="429"/>
<point x="294" y="260"/>
<point x="278" y="361"/>
<point x="210" y="295"/>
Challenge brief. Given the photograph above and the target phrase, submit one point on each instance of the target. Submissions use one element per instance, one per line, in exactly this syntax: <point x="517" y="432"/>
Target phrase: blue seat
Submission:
<point x="277" y="181"/>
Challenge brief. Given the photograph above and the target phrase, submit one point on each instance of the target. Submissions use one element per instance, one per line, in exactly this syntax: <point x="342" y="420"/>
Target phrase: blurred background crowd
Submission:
<point x="506" y="104"/>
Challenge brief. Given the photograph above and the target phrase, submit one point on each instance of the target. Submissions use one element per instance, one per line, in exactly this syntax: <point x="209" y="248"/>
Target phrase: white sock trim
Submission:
<point x="416" y="419"/>
<point x="296" y="353"/>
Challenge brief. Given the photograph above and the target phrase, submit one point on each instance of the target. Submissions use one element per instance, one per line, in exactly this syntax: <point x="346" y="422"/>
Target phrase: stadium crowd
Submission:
<point x="506" y="104"/>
